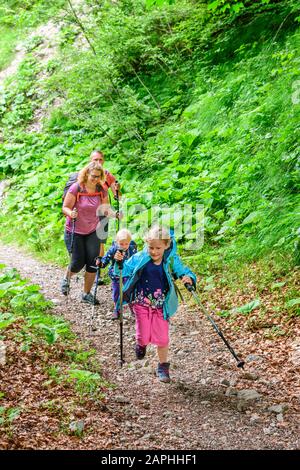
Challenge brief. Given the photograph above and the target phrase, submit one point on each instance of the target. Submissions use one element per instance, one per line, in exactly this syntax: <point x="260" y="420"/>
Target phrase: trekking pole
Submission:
<point x="120" y="266"/>
<point x="71" y="253"/>
<point x="118" y="207"/>
<point x="192" y="289"/>
<point x="178" y="292"/>
<point x="92" y="326"/>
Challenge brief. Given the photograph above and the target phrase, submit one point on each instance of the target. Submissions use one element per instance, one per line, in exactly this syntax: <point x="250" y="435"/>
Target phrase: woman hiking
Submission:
<point x="82" y="205"/>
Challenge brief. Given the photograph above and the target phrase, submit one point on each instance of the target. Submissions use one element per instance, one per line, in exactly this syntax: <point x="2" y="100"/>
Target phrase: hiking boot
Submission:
<point x="140" y="351"/>
<point x="89" y="299"/>
<point x="162" y="372"/>
<point x="65" y="286"/>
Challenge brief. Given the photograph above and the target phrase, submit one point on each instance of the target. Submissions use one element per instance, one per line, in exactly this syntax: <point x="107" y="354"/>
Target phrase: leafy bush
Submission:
<point x="187" y="108"/>
<point x="21" y="301"/>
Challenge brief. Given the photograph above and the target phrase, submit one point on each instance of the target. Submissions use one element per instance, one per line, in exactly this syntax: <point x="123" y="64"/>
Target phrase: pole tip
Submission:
<point x="241" y="364"/>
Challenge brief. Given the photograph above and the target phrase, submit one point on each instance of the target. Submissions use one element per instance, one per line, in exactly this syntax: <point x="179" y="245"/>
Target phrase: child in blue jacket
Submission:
<point x="128" y="247"/>
<point x="151" y="293"/>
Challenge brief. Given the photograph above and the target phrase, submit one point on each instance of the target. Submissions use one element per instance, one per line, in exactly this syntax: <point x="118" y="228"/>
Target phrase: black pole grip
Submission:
<point x="189" y="287"/>
<point x="121" y="262"/>
<point x="117" y="192"/>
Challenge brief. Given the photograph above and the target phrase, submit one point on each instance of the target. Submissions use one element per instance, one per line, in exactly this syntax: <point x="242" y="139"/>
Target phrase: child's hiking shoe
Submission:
<point x="140" y="351"/>
<point x="89" y="299"/>
<point x="162" y="372"/>
<point x="65" y="286"/>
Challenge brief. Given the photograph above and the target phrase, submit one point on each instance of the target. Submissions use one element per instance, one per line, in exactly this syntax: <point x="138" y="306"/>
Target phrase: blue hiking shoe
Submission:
<point x="162" y="372"/>
<point x="140" y="351"/>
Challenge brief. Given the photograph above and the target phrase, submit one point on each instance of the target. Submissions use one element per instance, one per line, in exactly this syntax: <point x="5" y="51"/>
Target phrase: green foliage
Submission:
<point x="8" y="40"/>
<point x="293" y="306"/>
<point x="86" y="382"/>
<point x="19" y="301"/>
<point x="17" y="17"/>
<point x="225" y="6"/>
<point x="8" y="415"/>
<point x="29" y="13"/>
<point x="234" y="7"/>
<point x="16" y="106"/>
<point x="247" y="308"/>
<point x="81" y="357"/>
<point x="189" y="107"/>
<point x="151" y="3"/>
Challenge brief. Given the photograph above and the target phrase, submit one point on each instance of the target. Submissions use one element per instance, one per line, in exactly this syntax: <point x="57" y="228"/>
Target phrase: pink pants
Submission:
<point x="150" y="326"/>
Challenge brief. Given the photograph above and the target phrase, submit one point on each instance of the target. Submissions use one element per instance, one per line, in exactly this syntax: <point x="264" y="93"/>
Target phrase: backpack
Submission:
<point x="72" y="179"/>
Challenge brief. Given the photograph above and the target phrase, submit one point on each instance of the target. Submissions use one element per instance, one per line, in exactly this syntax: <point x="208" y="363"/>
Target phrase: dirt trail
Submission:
<point x="200" y="409"/>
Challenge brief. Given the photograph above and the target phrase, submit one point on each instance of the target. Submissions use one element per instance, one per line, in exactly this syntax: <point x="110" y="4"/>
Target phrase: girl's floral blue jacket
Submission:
<point x="172" y="266"/>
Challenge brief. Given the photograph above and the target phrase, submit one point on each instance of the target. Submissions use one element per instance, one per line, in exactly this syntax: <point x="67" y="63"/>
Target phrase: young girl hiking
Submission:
<point x="82" y="204"/>
<point x="127" y="246"/>
<point x="151" y="293"/>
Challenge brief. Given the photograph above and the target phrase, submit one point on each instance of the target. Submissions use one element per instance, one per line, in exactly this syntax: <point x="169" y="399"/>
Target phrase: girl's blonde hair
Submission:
<point x="158" y="233"/>
<point x="123" y="234"/>
<point x="83" y="174"/>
